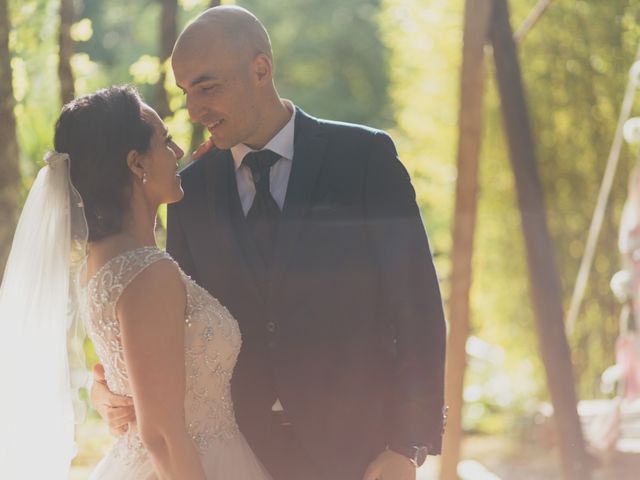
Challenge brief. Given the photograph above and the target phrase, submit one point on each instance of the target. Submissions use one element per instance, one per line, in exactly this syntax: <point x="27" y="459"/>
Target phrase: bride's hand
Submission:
<point x="114" y="409"/>
<point x="203" y="148"/>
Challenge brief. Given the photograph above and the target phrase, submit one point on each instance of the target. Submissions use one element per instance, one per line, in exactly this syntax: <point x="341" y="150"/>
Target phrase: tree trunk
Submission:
<point x="477" y="18"/>
<point x="9" y="167"/>
<point x="545" y="284"/>
<point x="65" y="74"/>
<point x="168" y="35"/>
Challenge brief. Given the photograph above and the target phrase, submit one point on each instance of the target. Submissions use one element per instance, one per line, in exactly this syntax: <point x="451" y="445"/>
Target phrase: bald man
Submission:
<point x="308" y="231"/>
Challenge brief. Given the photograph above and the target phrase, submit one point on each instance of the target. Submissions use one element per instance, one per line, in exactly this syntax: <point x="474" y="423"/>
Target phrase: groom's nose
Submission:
<point x="194" y="108"/>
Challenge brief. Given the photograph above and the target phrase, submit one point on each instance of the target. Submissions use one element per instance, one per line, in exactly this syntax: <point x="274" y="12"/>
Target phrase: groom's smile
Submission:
<point x="212" y="126"/>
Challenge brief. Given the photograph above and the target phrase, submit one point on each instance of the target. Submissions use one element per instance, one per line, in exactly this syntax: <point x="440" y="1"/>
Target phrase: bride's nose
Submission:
<point x="178" y="151"/>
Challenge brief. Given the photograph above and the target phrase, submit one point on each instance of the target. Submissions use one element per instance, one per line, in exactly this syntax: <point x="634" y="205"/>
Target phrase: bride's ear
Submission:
<point x="134" y="162"/>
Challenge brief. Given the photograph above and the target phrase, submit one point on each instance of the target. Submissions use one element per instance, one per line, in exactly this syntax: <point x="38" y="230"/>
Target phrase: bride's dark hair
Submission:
<point x="98" y="131"/>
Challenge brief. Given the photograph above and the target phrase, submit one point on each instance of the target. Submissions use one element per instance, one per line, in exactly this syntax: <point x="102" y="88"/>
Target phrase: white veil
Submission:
<point x="40" y="330"/>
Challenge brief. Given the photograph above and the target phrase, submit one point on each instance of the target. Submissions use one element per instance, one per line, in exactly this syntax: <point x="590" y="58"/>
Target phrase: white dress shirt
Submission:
<point x="282" y="144"/>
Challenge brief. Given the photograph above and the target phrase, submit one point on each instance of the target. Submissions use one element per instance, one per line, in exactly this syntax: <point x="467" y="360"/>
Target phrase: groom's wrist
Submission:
<point x="417" y="454"/>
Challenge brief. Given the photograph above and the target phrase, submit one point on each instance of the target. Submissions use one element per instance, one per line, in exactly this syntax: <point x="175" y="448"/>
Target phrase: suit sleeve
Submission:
<point x="177" y="243"/>
<point x="410" y="297"/>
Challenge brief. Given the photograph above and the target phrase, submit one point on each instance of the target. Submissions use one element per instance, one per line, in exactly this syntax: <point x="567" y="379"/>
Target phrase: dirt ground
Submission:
<point x="499" y="458"/>
<point x="484" y="458"/>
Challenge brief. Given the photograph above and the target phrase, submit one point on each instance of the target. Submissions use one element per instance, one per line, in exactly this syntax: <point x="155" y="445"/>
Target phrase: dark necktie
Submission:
<point x="264" y="214"/>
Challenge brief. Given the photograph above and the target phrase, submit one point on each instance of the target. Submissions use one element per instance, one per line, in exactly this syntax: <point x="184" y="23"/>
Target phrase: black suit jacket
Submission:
<point x="348" y="331"/>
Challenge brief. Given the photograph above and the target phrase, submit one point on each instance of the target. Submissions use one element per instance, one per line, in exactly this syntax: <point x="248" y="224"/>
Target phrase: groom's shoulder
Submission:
<point x="345" y="131"/>
<point x="195" y="175"/>
<point x="195" y="171"/>
<point x="342" y="132"/>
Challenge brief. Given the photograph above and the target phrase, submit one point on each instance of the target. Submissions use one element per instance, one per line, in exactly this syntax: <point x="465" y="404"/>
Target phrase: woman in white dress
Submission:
<point x="163" y="340"/>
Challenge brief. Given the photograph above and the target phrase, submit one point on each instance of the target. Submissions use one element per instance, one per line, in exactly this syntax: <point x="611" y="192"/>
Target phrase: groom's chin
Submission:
<point x="222" y="142"/>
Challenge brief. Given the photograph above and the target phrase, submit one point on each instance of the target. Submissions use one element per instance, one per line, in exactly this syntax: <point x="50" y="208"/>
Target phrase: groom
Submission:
<point x="315" y="244"/>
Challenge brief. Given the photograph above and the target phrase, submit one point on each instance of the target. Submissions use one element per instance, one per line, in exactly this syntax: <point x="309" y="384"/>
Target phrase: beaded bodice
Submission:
<point x="211" y="338"/>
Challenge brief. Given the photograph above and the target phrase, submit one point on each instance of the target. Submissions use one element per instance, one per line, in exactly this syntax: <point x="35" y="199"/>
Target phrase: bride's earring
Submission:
<point x="144" y="177"/>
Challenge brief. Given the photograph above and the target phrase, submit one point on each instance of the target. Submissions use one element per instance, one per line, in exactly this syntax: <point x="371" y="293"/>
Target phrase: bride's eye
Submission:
<point x="169" y="139"/>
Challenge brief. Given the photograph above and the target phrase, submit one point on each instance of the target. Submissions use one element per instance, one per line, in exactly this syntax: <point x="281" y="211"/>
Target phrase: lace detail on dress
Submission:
<point x="212" y="343"/>
<point x="103" y="292"/>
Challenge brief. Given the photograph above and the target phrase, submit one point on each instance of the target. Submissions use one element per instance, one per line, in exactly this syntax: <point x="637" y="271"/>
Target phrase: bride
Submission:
<point x="85" y="248"/>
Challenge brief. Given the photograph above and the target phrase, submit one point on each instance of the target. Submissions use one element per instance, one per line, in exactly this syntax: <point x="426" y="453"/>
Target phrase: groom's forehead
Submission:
<point x="189" y="73"/>
<point x="195" y="66"/>
<point x="204" y="39"/>
<point x="208" y="53"/>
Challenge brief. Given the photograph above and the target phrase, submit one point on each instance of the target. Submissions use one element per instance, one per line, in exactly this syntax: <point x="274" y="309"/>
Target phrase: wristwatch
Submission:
<point x="417" y="453"/>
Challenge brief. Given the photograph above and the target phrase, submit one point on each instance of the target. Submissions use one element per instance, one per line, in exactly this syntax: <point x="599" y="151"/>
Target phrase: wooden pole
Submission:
<point x="545" y="284"/>
<point x="65" y="42"/>
<point x="476" y="25"/>
<point x="531" y="20"/>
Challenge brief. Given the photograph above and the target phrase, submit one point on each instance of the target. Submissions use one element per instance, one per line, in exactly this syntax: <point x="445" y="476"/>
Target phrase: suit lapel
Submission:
<point x="222" y="195"/>
<point x="309" y="152"/>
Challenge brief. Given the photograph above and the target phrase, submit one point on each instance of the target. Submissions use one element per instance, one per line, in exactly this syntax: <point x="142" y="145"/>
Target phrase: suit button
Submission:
<point x="271" y="327"/>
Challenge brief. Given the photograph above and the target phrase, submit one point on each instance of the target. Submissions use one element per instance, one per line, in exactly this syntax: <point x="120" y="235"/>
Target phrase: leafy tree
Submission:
<point x="168" y="35"/>
<point x="9" y="169"/>
<point x="65" y="42"/>
<point x="329" y="57"/>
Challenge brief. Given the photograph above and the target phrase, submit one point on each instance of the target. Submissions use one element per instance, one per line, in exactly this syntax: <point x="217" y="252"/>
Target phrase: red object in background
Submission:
<point x="628" y="358"/>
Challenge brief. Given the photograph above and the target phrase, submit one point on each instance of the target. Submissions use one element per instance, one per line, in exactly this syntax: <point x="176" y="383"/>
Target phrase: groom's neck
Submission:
<point x="275" y="115"/>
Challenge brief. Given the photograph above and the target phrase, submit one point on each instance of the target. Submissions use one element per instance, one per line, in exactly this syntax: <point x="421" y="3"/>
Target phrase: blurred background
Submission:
<point x="394" y="65"/>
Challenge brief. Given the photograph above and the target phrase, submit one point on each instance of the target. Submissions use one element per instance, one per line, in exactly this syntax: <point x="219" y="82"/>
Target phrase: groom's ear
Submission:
<point x="262" y="68"/>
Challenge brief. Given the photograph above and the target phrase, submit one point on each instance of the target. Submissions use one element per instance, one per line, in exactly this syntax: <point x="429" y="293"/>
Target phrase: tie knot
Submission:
<point x="260" y="164"/>
<point x="260" y="161"/>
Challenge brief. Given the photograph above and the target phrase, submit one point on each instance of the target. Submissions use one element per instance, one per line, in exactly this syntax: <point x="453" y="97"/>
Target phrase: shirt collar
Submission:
<point x="281" y="143"/>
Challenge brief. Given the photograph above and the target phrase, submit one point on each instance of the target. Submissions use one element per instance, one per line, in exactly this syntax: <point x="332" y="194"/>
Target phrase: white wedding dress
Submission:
<point x="212" y="343"/>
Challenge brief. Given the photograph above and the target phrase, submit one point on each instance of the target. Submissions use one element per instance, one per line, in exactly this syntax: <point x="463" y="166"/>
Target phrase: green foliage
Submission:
<point x="33" y="44"/>
<point x="329" y="57"/>
<point x="425" y="52"/>
<point x="123" y="31"/>
<point x="575" y="65"/>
